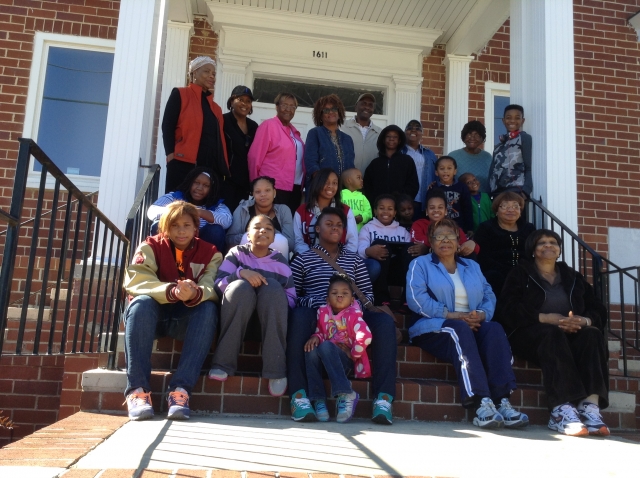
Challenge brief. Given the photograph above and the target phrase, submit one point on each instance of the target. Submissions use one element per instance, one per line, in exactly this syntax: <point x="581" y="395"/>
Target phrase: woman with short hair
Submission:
<point x="327" y="146"/>
<point x="554" y="318"/>
<point x="278" y="152"/>
<point x="472" y="158"/>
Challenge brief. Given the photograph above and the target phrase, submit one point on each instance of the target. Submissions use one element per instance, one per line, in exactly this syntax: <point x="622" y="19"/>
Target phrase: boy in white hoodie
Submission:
<point x="375" y="246"/>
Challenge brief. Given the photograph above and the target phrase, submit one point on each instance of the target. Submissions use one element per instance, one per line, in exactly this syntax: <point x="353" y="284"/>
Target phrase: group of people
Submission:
<point x="312" y="245"/>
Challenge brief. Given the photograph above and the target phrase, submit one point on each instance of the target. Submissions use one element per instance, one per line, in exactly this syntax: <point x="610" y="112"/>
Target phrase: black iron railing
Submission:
<point x="618" y="288"/>
<point x="75" y="248"/>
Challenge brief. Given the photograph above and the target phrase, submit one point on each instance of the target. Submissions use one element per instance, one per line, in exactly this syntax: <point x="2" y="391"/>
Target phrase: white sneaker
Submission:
<point x="512" y="417"/>
<point x="564" y="419"/>
<point x="590" y="415"/>
<point x="277" y="386"/>
<point x="218" y="374"/>
<point x="487" y="416"/>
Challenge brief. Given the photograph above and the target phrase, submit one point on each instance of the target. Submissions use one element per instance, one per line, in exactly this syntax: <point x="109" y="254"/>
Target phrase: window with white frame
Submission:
<point x="496" y="98"/>
<point x="67" y="104"/>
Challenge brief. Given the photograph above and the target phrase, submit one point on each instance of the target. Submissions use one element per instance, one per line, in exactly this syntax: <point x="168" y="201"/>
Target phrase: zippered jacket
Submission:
<point x="523" y="296"/>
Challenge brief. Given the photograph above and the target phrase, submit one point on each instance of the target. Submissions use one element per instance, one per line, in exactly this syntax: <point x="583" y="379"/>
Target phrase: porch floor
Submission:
<point x="250" y="446"/>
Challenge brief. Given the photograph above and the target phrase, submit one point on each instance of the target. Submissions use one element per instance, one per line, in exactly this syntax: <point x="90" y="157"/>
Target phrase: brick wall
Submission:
<point x="204" y="40"/>
<point x="433" y="74"/>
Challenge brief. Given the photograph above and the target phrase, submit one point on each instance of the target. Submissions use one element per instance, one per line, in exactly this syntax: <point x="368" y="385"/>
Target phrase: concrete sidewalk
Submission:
<point x="407" y="448"/>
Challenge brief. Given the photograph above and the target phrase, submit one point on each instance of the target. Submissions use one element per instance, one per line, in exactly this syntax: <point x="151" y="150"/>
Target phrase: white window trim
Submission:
<point x="41" y="44"/>
<point x="491" y="90"/>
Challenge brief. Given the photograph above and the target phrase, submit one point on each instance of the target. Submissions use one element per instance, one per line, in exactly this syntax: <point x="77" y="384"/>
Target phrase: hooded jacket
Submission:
<point x="523" y="296"/>
<point x="375" y="230"/>
<point x="396" y="174"/>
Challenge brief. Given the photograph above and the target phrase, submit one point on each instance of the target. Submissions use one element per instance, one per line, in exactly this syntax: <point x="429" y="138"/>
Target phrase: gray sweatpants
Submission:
<point x="239" y="301"/>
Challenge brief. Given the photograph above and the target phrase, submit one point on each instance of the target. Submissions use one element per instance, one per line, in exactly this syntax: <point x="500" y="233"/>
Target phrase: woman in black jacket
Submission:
<point x="553" y="318"/>
<point x="239" y="131"/>
<point x="391" y="172"/>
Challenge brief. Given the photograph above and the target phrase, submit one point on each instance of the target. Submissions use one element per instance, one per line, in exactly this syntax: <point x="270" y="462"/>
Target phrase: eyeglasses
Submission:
<point x="473" y="134"/>
<point x="442" y="237"/>
<point x="243" y="99"/>
<point x="288" y="107"/>
<point x="326" y="111"/>
<point x="414" y="128"/>
<point x="510" y="207"/>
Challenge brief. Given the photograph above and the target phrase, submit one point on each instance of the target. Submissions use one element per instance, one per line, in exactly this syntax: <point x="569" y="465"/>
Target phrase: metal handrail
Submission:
<point x="600" y="272"/>
<point x="96" y="228"/>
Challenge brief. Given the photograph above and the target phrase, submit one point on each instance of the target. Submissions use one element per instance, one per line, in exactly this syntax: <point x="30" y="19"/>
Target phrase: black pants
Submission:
<point x="233" y="194"/>
<point x="176" y="172"/>
<point x="574" y="366"/>
<point x="393" y="271"/>
<point x="292" y="199"/>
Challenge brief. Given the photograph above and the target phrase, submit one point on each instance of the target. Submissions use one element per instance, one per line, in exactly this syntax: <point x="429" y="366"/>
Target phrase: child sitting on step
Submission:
<point x="339" y="343"/>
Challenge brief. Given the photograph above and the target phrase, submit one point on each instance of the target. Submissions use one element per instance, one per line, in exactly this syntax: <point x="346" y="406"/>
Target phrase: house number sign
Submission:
<point x="320" y="54"/>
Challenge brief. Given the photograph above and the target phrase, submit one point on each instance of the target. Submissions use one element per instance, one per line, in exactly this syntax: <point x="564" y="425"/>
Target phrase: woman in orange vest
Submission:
<point x="192" y="127"/>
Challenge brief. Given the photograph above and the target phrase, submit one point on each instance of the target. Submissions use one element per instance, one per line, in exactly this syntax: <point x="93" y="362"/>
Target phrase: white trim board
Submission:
<point x="491" y="90"/>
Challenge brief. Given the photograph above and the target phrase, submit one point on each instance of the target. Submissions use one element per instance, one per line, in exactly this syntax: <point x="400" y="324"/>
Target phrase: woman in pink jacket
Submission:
<point x="278" y="152"/>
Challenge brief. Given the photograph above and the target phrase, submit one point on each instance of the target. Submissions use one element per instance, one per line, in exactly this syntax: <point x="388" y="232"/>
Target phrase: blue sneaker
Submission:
<point x="322" y="412"/>
<point x="382" y="409"/>
<point x="139" y="405"/>
<point x="178" y="405"/>
<point x="301" y="409"/>
<point x="487" y="416"/>
<point x="512" y="417"/>
<point x="346" y="406"/>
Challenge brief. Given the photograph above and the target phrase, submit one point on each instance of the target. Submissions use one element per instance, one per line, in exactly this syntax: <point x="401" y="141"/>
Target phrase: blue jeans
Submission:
<point x="337" y="364"/>
<point x="373" y="268"/>
<point x="146" y="320"/>
<point x="212" y="233"/>
<point x="383" y="348"/>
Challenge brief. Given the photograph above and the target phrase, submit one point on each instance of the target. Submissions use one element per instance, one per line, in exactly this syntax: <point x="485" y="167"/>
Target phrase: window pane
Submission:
<point x="499" y="104"/>
<point x="75" y="101"/>
<point x="307" y="94"/>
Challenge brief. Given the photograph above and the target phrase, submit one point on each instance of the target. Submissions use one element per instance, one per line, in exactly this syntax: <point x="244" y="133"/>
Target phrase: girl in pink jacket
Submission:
<point x="339" y="343"/>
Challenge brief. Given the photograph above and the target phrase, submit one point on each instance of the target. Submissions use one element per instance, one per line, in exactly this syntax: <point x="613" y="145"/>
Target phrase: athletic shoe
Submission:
<point x="512" y="417"/>
<point x="487" y="416"/>
<point x="218" y="374"/>
<point x="564" y="419"/>
<point x="322" y="413"/>
<point x="301" y="409"/>
<point x="346" y="406"/>
<point x="277" y="386"/>
<point x="178" y="401"/>
<point x="139" y="405"/>
<point x="590" y="415"/>
<point x="382" y="409"/>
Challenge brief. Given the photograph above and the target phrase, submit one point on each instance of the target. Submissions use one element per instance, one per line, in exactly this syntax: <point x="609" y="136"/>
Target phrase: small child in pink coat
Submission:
<point x="339" y="344"/>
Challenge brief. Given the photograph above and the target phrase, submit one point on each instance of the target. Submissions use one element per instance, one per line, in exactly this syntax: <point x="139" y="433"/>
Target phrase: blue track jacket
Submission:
<point x="431" y="293"/>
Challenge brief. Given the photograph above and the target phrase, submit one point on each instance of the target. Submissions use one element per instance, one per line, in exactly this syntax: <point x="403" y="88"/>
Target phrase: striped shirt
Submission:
<point x="311" y="275"/>
<point x="272" y="266"/>
<point x="221" y="214"/>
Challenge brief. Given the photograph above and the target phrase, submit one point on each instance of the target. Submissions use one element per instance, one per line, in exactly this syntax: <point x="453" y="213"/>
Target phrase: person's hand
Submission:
<point x="378" y="252"/>
<point x="417" y="249"/>
<point x="358" y="218"/>
<point x="345" y="349"/>
<point x="185" y="290"/>
<point x="206" y="215"/>
<point x="467" y="248"/>
<point x="311" y="344"/>
<point x="169" y="157"/>
<point x="571" y="324"/>
<point x="474" y="319"/>
<point x="252" y="277"/>
<point x="430" y="186"/>
<point x="470" y="235"/>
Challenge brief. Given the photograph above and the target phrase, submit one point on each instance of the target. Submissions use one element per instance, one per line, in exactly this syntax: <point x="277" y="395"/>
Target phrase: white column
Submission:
<point x="174" y="75"/>
<point x="134" y="87"/>
<point x="456" y="102"/>
<point x="542" y="81"/>
<point x="231" y="71"/>
<point x="408" y="99"/>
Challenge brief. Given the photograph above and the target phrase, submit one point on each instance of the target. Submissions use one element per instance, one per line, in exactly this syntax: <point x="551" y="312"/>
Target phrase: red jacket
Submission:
<point x="307" y="216"/>
<point x="189" y="126"/>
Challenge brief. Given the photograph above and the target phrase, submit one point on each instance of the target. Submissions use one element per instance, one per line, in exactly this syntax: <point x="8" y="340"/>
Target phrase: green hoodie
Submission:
<point x="359" y="204"/>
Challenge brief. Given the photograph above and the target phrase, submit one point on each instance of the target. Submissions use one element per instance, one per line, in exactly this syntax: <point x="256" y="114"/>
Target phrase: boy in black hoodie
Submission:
<point x="459" y="206"/>
<point x="391" y="172"/>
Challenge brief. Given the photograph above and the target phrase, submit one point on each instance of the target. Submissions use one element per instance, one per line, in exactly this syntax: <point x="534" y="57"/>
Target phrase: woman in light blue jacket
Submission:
<point x="453" y="305"/>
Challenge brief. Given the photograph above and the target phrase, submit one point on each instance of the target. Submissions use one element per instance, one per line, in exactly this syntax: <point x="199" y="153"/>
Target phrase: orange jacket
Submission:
<point x="189" y="126"/>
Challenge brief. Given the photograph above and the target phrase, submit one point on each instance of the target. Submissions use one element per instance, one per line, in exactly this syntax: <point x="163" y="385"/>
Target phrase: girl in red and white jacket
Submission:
<point x="339" y="344"/>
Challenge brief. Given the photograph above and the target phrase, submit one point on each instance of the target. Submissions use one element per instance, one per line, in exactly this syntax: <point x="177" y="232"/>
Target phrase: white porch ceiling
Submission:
<point x="479" y="19"/>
